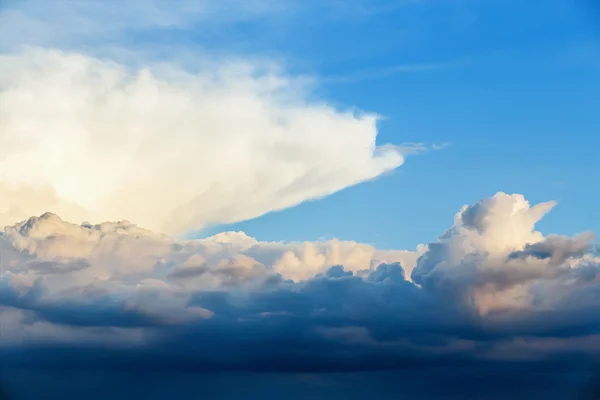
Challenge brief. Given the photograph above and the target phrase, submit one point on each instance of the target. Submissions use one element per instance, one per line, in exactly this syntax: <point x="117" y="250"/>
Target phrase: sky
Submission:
<point x="323" y="198"/>
<point x="511" y="87"/>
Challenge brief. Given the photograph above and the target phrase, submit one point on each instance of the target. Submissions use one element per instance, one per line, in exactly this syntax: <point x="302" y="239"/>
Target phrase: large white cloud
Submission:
<point x="91" y="139"/>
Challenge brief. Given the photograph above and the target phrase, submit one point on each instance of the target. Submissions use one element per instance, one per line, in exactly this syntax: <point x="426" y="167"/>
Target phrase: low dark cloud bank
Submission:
<point x="491" y="309"/>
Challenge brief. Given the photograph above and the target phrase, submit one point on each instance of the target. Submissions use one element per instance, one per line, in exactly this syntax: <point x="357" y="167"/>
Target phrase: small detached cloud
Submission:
<point x="488" y="283"/>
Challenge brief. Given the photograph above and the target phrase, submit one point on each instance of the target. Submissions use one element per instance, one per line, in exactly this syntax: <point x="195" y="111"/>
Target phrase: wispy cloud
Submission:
<point x="387" y="71"/>
<point x="76" y="23"/>
<point x="39" y="22"/>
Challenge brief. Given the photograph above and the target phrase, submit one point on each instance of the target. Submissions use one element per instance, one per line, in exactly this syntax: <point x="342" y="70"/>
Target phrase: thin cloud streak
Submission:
<point x="383" y="72"/>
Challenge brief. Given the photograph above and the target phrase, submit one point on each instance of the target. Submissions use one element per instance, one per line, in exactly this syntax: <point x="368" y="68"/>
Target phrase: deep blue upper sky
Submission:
<point x="512" y="86"/>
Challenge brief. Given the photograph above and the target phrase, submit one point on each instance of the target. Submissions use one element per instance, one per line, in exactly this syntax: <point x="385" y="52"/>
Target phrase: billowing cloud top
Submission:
<point x="83" y="137"/>
<point x="490" y="288"/>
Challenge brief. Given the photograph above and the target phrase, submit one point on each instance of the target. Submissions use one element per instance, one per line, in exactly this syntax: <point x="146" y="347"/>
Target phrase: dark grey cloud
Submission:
<point x="557" y="248"/>
<point x="57" y="267"/>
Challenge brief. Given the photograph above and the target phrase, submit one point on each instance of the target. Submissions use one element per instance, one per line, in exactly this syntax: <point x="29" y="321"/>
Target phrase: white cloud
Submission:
<point x="65" y="256"/>
<point x="494" y="257"/>
<point x="84" y="137"/>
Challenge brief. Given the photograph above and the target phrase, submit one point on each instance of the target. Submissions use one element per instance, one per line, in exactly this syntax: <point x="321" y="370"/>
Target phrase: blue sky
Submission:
<point x="513" y="87"/>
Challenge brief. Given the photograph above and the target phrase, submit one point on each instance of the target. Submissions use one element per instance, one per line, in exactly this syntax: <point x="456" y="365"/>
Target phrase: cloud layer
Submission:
<point x="81" y="137"/>
<point x="491" y="288"/>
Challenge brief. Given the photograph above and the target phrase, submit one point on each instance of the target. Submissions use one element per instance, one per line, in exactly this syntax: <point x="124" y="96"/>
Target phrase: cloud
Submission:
<point x="491" y="289"/>
<point x="138" y="30"/>
<point x="73" y="23"/>
<point x="106" y="119"/>
<point x="68" y="255"/>
<point x="493" y="257"/>
<point x="393" y="70"/>
<point x="82" y="137"/>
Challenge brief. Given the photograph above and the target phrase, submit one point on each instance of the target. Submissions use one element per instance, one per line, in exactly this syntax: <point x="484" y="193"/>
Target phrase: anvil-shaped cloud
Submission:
<point x="91" y="139"/>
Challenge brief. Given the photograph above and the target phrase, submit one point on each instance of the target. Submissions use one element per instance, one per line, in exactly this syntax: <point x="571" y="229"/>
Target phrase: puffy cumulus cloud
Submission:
<point x="493" y="258"/>
<point x="491" y="288"/>
<point x="66" y="255"/>
<point x="81" y="137"/>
